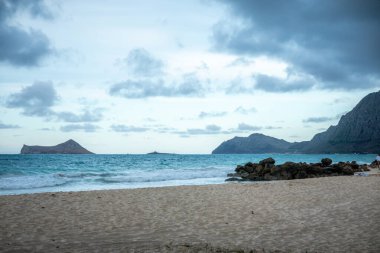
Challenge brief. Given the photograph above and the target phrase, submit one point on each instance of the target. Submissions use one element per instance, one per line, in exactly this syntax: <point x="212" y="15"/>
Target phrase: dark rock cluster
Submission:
<point x="266" y="170"/>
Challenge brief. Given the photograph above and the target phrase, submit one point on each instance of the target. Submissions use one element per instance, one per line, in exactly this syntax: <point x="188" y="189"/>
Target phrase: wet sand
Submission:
<point x="336" y="214"/>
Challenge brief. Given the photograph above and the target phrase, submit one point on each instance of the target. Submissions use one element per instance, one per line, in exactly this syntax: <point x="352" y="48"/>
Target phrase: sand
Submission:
<point x="336" y="214"/>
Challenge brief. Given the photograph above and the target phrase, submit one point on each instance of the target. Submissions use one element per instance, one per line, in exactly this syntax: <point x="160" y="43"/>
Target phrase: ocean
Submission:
<point x="21" y="174"/>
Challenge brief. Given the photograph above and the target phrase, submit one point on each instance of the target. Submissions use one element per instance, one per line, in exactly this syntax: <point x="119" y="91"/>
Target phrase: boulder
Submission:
<point x="373" y="164"/>
<point x="326" y="162"/>
<point x="347" y="170"/>
<point x="240" y="169"/>
<point x="232" y="179"/>
<point x="269" y="161"/>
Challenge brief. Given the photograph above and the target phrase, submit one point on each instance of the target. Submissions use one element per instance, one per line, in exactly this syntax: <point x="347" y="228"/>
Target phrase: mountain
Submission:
<point x="68" y="147"/>
<point x="357" y="132"/>
<point x="255" y="143"/>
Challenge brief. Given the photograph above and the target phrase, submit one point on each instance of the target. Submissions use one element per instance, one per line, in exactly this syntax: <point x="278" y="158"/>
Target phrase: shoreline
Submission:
<point x="330" y="214"/>
<point x="371" y="172"/>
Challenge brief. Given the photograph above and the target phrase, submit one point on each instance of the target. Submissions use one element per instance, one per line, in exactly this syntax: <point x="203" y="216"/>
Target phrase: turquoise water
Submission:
<point x="50" y="173"/>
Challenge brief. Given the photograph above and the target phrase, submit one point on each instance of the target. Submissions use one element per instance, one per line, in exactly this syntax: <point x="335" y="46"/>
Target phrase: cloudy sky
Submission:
<point x="181" y="76"/>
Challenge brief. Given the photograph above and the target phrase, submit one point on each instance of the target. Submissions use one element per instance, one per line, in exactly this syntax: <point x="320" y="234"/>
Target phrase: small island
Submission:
<point x="68" y="147"/>
<point x="159" y="153"/>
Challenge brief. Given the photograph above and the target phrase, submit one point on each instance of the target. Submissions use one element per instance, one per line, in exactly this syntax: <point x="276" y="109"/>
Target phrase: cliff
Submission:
<point x="68" y="147"/>
<point x="357" y="132"/>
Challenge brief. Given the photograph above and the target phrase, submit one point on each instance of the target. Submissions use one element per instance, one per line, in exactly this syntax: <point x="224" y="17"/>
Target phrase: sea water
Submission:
<point x="51" y="173"/>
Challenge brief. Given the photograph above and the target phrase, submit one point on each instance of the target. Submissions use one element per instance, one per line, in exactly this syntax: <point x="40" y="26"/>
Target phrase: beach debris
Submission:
<point x="266" y="170"/>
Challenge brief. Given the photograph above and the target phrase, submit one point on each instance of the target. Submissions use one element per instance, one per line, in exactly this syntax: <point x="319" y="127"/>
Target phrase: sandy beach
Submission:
<point x="336" y="214"/>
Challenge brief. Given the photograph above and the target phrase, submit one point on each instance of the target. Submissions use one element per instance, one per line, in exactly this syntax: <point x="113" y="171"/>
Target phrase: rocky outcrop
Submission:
<point x="357" y="132"/>
<point x="68" y="147"/>
<point x="266" y="170"/>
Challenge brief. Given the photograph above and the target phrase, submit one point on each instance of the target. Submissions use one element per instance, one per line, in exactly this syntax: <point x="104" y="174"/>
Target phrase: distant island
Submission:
<point x="159" y="153"/>
<point x="68" y="147"/>
<point x="357" y="132"/>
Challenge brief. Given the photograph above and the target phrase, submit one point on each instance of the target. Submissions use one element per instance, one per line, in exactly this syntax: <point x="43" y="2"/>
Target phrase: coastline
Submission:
<point x="331" y="214"/>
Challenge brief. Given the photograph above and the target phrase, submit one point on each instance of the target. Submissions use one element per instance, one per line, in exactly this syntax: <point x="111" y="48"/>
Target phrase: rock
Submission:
<point x="239" y="168"/>
<point x="301" y="175"/>
<point x="269" y="161"/>
<point x="269" y="177"/>
<point x="249" y="169"/>
<point x="266" y="170"/>
<point x="326" y="161"/>
<point x="315" y="170"/>
<point x="289" y="166"/>
<point x="348" y="171"/>
<point x="232" y="179"/>
<point x="253" y="177"/>
<point x="244" y="175"/>
<point x="354" y="166"/>
<point x="373" y="164"/>
<point x="260" y="169"/>
<point x="249" y="164"/>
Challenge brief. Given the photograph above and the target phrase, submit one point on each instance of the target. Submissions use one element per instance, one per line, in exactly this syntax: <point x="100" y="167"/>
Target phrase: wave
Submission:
<point x="162" y="176"/>
<point x="30" y="182"/>
<point x="17" y="182"/>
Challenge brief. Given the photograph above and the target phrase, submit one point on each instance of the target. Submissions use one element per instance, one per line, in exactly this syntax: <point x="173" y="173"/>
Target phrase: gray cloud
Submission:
<point x="209" y="129"/>
<point x="127" y="129"/>
<point x="240" y="61"/>
<point x="141" y="63"/>
<point x="34" y="100"/>
<point x="203" y="115"/>
<point x="335" y="42"/>
<point x="246" y="127"/>
<point x="273" y="84"/>
<point x="272" y="127"/>
<point x="215" y="114"/>
<point x="8" y="126"/>
<point x="23" y="47"/>
<point x="245" y="111"/>
<point x="89" y="128"/>
<point x="318" y="119"/>
<point x="144" y="88"/>
<point x="86" y="116"/>
<point x="36" y="8"/>
<point x="322" y="119"/>
<point x="38" y="100"/>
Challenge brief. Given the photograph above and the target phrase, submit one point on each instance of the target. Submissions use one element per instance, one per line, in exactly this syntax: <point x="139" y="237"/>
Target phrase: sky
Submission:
<point x="132" y="77"/>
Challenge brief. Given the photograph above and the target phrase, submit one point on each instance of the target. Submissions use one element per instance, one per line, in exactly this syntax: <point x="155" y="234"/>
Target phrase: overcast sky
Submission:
<point x="181" y="76"/>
